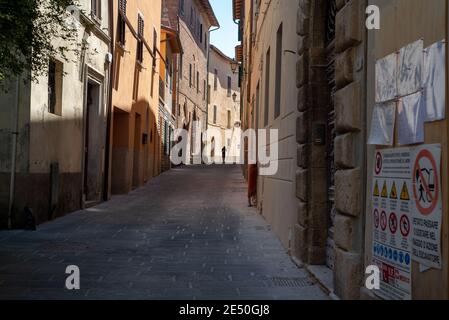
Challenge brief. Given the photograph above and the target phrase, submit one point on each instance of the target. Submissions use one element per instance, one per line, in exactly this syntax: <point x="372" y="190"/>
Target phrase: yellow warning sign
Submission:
<point x="376" y="190"/>
<point x="404" y="193"/>
<point x="394" y="192"/>
<point x="385" y="190"/>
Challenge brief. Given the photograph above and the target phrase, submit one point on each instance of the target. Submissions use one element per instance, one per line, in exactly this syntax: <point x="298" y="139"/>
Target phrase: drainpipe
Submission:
<point x="14" y="134"/>
<point x="109" y="110"/>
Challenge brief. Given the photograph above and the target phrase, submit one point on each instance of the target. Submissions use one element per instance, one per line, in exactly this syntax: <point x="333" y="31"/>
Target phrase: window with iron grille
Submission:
<point x="140" y="33"/>
<point x="96" y="8"/>
<point x="121" y="25"/>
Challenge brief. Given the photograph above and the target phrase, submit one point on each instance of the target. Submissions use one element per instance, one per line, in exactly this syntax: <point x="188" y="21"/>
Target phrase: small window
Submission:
<point x="278" y="84"/>
<point x="229" y="119"/>
<point x="96" y="8"/>
<point x="154" y="47"/>
<point x="204" y="89"/>
<point x="55" y="74"/>
<point x="197" y="82"/>
<point x="140" y="33"/>
<point x="201" y="33"/>
<point x="215" y="79"/>
<point x="215" y="114"/>
<point x="267" y="88"/>
<point x="180" y="66"/>
<point x="229" y="86"/>
<point x="190" y="75"/>
<point x="121" y="25"/>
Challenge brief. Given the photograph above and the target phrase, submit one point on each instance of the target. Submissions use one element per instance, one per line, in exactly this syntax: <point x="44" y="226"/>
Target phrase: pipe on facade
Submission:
<point x="14" y="134"/>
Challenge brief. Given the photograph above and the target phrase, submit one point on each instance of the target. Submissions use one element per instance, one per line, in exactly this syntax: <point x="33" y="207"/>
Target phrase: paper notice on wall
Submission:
<point x="382" y="124"/>
<point x="427" y="208"/>
<point x="392" y="206"/>
<point x="386" y="76"/>
<point x="434" y="81"/>
<point x="411" y="116"/>
<point x="410" y="66"/>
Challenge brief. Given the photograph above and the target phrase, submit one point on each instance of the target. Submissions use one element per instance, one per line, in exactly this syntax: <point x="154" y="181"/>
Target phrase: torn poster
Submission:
<point x="386" y="74"/>
<point x="382" y="124"/>
<point x="411" y="116"/>
<point x="410" y="66"/>
<point x="434" y="81"/>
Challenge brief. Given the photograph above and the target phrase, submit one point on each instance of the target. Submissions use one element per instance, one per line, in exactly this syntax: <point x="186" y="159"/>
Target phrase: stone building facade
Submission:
<point x="224" y="107"/>
<point x="192" y="19"/>
<point x="317" y="207"/>
<point x="334" y="85"/>
<point x="56" y="132"/>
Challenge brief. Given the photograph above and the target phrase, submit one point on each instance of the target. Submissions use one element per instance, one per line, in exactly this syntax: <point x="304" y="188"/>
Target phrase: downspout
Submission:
<point x="14" y="134"/>
<point x="109" y="110"/>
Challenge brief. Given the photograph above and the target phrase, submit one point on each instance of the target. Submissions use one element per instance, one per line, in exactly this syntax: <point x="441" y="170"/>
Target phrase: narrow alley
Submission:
<point x="188" y="234"/>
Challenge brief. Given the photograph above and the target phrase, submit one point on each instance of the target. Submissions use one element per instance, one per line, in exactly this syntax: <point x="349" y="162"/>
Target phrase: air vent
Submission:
<point x="292" y="282"/>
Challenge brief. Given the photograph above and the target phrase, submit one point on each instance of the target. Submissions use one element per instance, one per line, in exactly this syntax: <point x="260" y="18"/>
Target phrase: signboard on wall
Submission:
<point x="392" y="216"/>
<point x="427" y="211"/>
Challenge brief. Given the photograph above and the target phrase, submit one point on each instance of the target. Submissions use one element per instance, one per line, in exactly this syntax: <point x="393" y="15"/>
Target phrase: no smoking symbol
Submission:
<point x="405" y="226"/>
<point x="393" y="223"/>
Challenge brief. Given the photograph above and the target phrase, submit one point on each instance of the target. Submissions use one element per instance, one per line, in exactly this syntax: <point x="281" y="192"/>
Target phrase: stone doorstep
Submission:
<point x="322" y="274"/>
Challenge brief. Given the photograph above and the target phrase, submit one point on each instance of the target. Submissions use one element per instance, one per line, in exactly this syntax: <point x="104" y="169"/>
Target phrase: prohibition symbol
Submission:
<point x="393" y="223"/>
<point x="383" y="221"/>
<point x="379" y="162"/>
<point x="405" y="226"/>
<point x="376" y="218"/>
<point x="425" y="182"/>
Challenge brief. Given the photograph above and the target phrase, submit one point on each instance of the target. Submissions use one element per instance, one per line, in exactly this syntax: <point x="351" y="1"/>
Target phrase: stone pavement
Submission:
<point x="188" y="234"/>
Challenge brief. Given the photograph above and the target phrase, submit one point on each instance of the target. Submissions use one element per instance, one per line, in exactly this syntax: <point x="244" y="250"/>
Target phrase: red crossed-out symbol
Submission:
<point x="393" y="223"/>
<point x="383" y="220"/>
<point x="425" y="182"/>
<point x="405" y="226"/>
<point x="379" y="162"/>
<point x="376" y="218"/>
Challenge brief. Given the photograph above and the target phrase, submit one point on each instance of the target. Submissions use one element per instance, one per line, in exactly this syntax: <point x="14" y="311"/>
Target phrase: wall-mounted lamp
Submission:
<point x="234" y="66"/>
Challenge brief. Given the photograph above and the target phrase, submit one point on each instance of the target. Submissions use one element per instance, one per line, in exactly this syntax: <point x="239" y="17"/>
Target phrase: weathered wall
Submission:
<point x="46" y="138"/>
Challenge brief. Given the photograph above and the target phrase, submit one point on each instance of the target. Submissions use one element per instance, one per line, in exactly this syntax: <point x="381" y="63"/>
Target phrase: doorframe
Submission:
<point x="92" y="75"/>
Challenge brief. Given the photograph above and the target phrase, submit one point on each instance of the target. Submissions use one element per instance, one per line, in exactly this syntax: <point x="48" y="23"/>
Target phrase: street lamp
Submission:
<point x="234" y="66"/>
<point x="234" y="96"/>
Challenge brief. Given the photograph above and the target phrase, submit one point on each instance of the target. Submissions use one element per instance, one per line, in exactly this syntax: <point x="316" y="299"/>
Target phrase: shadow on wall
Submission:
<point x="54" y="186"/>
<point x="135" y="147"/>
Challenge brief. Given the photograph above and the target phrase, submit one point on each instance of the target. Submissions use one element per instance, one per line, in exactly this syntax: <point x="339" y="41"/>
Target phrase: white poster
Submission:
<point x="392" y="206"/>
<point x="382" y="124"/>
<point x="434" y="81"/>
<point x="427" y="209"/>
<point x="410" y="66"/>
<point x="411" y="116"/>
<point x="386" y="75"/>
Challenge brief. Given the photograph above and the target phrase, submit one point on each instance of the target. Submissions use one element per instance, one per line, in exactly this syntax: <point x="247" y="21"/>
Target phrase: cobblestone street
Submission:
<point x="188" y="234"/>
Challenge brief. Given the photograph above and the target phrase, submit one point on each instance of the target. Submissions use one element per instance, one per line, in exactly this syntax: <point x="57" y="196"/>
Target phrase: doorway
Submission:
<point x="93" y="144"/>
<point x="137" y="150"/>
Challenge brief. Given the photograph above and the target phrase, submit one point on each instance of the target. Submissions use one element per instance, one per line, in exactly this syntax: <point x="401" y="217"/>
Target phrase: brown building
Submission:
<point x="193" y="20"/>
<point x="135" y="133"/>
<point x="329" y="221"/>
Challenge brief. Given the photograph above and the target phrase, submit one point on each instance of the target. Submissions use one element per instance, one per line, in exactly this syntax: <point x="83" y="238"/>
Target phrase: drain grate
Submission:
<point x="292" y="282"/>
